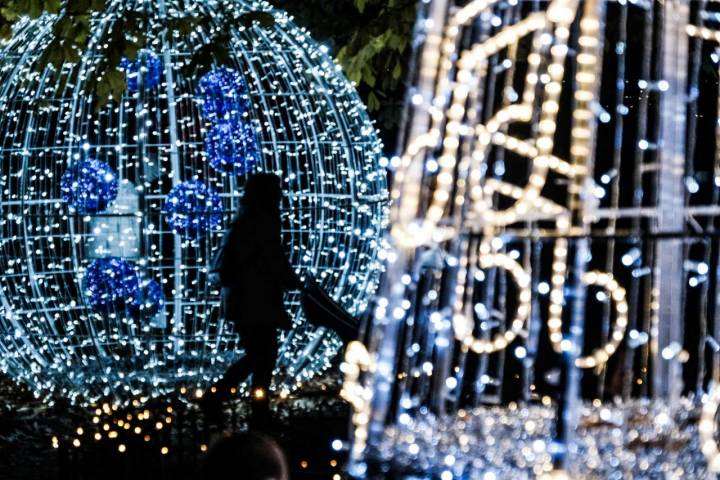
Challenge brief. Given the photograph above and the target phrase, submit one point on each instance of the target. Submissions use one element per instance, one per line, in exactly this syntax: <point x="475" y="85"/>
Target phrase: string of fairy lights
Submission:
<point x="110" y="218"/>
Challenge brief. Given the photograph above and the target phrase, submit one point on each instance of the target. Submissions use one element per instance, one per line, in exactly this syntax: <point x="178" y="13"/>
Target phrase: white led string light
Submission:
<point x="407" y="231"/>
<point x="546" y="128"/>
<point x="703" y="32"/>
<point x="528" y="199"/>
<point x="580" y="153"/>
<point x="561" y="14"/>
<point x="357" y="361"/>
<point x="469" y="59"/>
<point x="473" y="233"/>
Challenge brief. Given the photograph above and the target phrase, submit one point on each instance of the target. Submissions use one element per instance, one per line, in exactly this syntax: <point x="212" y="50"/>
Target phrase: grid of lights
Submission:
<point x="152" y="181"/>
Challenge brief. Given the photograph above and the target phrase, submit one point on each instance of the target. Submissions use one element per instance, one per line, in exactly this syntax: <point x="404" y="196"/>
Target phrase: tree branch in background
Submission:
<point x="370" y="39"/>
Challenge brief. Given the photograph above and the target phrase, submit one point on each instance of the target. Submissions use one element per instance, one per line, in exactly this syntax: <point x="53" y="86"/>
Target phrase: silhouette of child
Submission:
<point x="254" y="272"/>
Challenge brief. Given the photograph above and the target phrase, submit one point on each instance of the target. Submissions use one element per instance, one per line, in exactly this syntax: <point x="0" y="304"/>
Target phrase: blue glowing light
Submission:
<point x="148" y="300"/>
<point x="110" y="284"/>
<point x="192" y="208"/>
<point x="147" y="66"/>
<point x="89" y="186"/>
<point x="232" y="147"/>
<point x="224" y="93"/>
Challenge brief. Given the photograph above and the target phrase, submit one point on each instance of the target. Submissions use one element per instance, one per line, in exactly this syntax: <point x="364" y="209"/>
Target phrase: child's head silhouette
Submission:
<point x="262" y="191"/>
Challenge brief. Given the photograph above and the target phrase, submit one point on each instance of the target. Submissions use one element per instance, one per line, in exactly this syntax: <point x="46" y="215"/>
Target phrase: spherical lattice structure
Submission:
<point x="111" y="216"/>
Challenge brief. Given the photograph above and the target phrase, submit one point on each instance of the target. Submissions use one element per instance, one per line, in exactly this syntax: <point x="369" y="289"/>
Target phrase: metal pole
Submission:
<point x="667" y="328"/>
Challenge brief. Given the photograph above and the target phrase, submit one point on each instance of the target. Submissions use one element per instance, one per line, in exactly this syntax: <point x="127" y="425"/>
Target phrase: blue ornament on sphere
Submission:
<point x="232" y="147"/>
<point x="89" y="186"/>
<point x="192" y="208"/>
<point x="224" y="93"/>
<point x="148" y="300"/>
<point x="110" y="284"/>
<point x="147" y="64"/>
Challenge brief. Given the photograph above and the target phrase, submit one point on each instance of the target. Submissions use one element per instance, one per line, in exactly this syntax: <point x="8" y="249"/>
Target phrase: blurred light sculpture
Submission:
<point x="553" y="241"/>
<point x="110" y="217"/>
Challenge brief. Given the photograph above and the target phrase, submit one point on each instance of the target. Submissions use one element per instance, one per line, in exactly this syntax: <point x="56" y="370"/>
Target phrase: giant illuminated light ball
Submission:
<point x="110" y="218"/>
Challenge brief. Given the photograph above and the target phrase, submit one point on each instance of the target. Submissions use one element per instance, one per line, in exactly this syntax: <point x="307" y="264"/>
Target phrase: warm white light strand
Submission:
<point x="463" y="325"/>
<point x="616" y="293"/>
<point x="707" y="428"/>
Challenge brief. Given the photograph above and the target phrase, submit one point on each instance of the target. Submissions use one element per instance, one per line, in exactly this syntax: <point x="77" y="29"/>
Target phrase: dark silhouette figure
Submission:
<point x="254" y="272"/>
<point x="247" y="456"/>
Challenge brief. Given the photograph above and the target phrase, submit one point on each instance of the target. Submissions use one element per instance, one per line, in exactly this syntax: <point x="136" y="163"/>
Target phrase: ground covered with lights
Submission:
<point x="59" y="441"/>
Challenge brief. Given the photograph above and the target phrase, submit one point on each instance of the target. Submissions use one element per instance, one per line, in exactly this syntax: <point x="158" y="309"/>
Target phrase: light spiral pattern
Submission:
<point x="309" y="127"/>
